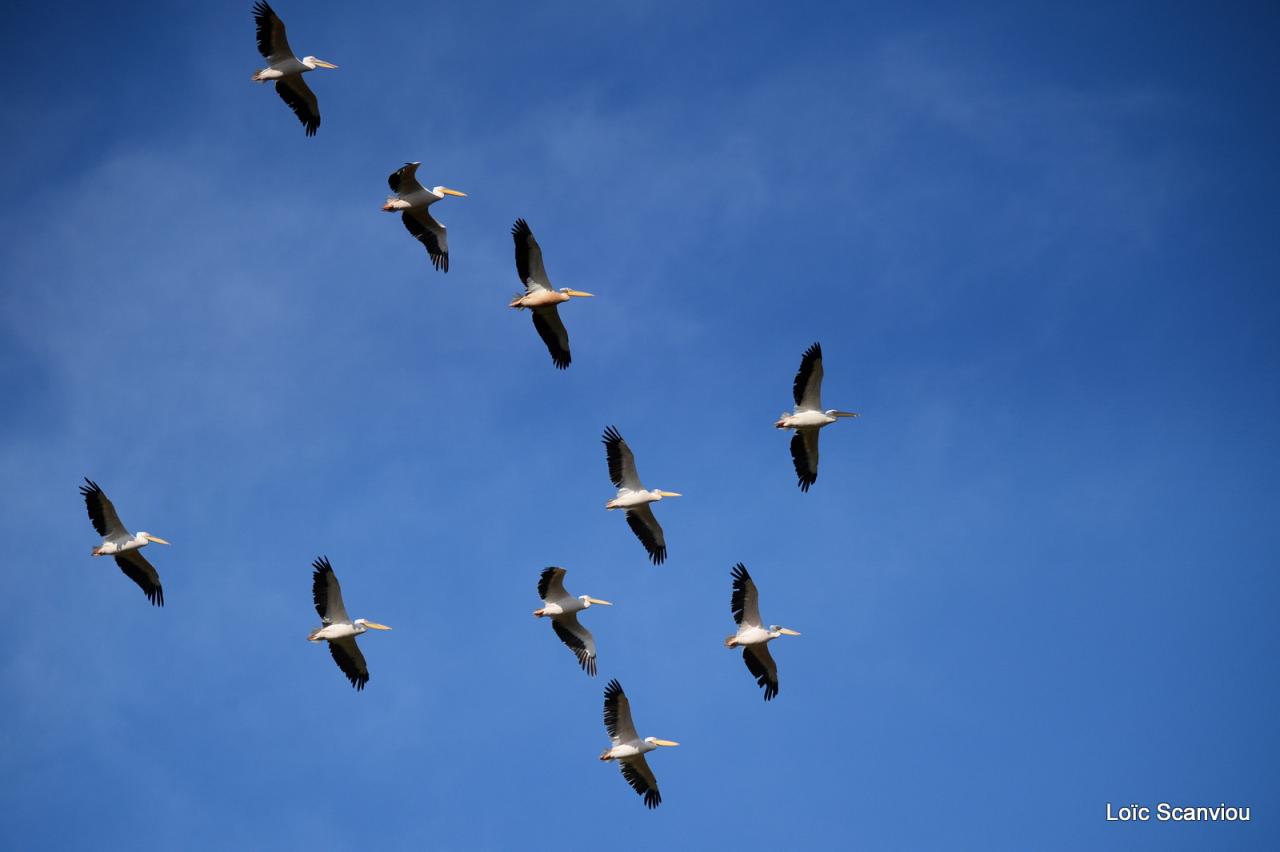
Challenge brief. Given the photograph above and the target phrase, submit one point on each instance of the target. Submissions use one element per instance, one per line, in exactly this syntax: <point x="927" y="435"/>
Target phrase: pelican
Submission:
<point x="538" y="295"/>
<point x="413" y="198"/>
<point x="808" y="417"/>
<point x="285" y="68"/>
<point x="338" y="628"/>
<point x="117" y="541"/>
<point x="752" y="636"/>
<point x="633" y="497"/>
<point x="628" y="749"/>
<point x="563" y="611"/>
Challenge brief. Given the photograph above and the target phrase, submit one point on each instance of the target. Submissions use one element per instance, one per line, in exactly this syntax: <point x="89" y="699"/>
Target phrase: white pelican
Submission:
<point x="117" y="541"/>
<point x="752" y="636"/>
<point x="633" y="497"/>
<point x="628" y="749"/>
<point x="285" y="68"/>
<point x="563" y="610"/>
<point x="539" y="296"/>
<point x="338" y="628"/>
<point x="808" y="417"/>
<point x="413" y="198"/>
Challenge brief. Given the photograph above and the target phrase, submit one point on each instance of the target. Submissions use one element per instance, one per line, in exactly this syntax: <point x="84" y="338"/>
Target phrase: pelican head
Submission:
<point x="369" y="625"/>
<point x="442" y="191"/>
<point x="657" y="742"/>
<point x="833" y="413"/>
<point x="578" y="293"/>
<point x="587" y="601"/>
<point x="782" y="631"/>
<point x="148" y="537"/>
<point x="313" y="63"/>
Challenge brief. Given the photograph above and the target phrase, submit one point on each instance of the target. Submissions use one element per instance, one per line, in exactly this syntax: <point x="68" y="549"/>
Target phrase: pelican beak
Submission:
<point x="322" y="64"/>
<point x="156" y="540"/>
<point x="670" y="493"/>
<point x="664" y="742"/>
<point x="448" y="191"/>
<point x="374" y="625"/>
<point x="846" y="414"/>
<point x="599" y="602"/>
<point x="578" y="293"/>
<point x="786" y="631"/>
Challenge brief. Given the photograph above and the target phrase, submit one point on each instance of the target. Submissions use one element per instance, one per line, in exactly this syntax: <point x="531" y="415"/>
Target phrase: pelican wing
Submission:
<point x="745" y="602"/>
<point x="298" y="95"/>
<point x="346" y="653"/>
<point x="136" y="567"/>
<point x="617" y="715"/>
<point x="761" y="665"/>
<point x="804" y="452"/>
<point x="529" y="258"/>
<point x="807" y="389"/>
<point x="431" y="234"/>
<point x="546" y="319"/>
<point x="272" y="43"/>
<point x="101" y="513"/>
<point x="649" y="531"/>
<point x="404" y="181"/>
<point x="551" y="584"/>
<point x="638" y="774"/>
<point x="578" y="638"/>
<point x="622" y="464"/>
<point x="327" y="594"/>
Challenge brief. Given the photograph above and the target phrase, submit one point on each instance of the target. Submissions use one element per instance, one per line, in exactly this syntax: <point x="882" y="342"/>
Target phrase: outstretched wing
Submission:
<point x="761" y="665"/>
<point x="546" y="319"/>
<point x="101" y="513"/>
<point x="298" y="95"/>
<point x="804" y="452"/>
<point x="622" y="464"/>
<point x="744" y="602"/>
<point x="807" y="389"/>
<point x="529" y="258"/>
<point x="404" y="179"/>
<point x="346" y="653"/>
<point x="327" y="594"/>
<point x="272" y="43"/>
<point x="136" y="567"/>
<point x="431" y="234"/>
<point x="638" y="774"/>
<point x="649" y="531"/>
<point x="617" y="714"/>
<point x="551" y="584"/>
<point x="578" y="638"/>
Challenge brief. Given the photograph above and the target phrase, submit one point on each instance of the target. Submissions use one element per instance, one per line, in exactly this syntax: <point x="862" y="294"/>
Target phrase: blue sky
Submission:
<point x="1037" y="575"/>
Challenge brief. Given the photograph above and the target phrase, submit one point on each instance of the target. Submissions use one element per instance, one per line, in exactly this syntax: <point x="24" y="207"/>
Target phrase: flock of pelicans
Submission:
<point x="339" y="630"/>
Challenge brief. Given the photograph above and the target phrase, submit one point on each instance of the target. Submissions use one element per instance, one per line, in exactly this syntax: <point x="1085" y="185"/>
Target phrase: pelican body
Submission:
<point x="285" y="69"/>
<point x="808" y="417"/>
<point x="562" y="608"/>
<point x="336" y="627"/>
<point x="411" y="200"/>
<point x="634" y="497"/>
<point x="752" y="636"/>
<point x="118" y="542"/>
<point x="627" y="748"/>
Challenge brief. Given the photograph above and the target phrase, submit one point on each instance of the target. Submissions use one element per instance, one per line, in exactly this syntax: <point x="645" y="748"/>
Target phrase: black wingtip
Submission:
<point x="322" y="566"/>
<point x="612" y="690"/>
<point x="520" y="228"/>
<point x="611" y="435"/>
<point x="739" y="573"/>
<point x="652" y="799"/>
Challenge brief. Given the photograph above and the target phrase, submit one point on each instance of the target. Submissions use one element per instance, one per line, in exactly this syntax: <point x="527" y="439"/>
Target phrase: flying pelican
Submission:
<point x="752" y="636"/>
<point x="285" y="68"/>
<point x="338" y="627"/>
<point x="414" y="199"/>
<point x="808" y="417"/>
<point x="633" y="497"/>
<point x="628" y="749"/>
<point x="117" y="541"/>
<point x="563" y="611"/>
<point x="539" y="296"/>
